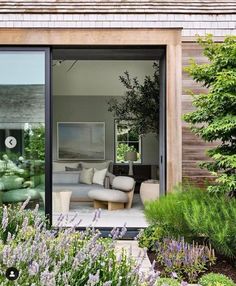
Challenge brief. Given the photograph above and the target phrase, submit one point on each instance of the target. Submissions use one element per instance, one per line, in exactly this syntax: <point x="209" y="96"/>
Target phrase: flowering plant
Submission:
<point x="56" y="257"/>
<point x="184" y="260"/>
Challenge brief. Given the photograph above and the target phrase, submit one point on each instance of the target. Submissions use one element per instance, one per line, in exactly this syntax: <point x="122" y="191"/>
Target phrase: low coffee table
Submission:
<point x="61" y="201"/>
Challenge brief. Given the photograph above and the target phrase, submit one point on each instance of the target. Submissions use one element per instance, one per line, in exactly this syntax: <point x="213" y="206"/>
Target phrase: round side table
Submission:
<point x="149" y="190"/>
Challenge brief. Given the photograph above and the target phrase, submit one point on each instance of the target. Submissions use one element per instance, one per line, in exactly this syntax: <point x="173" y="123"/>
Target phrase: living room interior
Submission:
<point x="105" y="134"/>
<point x="102" y="165"/>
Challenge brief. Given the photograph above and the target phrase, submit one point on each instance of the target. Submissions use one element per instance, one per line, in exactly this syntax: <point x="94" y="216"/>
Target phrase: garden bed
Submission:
<point x="222" y="266"/>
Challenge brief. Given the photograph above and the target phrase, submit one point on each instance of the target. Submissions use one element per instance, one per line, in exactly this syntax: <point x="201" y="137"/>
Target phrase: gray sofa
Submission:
<point x="70" y="180"/>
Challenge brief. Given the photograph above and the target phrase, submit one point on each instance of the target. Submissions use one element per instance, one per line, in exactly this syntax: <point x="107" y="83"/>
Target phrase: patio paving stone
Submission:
<point x="135" y="250"/>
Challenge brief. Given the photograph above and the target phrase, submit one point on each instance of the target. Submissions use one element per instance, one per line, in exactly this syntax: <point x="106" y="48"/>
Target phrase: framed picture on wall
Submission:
<point x="81" y="140"/>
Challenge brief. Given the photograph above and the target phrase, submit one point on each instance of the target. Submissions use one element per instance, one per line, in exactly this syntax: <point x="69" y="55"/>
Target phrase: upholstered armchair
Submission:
<point x="119" y="197"/>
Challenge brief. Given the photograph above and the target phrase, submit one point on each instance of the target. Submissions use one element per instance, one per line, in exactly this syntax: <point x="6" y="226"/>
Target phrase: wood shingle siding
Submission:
<point x="119" y="6"/>
<point x="193" y="147"/>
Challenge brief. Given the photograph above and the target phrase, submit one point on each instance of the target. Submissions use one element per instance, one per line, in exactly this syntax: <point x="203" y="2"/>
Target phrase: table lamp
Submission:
<point x="131" y="156"/>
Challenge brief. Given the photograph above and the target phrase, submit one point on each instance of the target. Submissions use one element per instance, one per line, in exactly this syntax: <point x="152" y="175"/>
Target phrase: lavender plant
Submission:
<point x="183" y="260"/>
<point x="66" y="257"/>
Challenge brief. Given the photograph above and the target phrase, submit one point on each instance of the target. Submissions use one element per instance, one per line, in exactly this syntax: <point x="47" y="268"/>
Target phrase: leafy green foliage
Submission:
<point x="9" y="168"/>
<point x="140" y="105"/>
<point x="148" y="237"/>
<point x="35" y="143"/>
<point x="197" y="215"/>
<point x="215" y="279"/>
<point x="167" y="281"/>
<point x="167" y="212"/>
<point x="215" y="114"/>
<point x="13" y="156"/>
<point x="213" y="219"/>
<point x="121" y="151"/>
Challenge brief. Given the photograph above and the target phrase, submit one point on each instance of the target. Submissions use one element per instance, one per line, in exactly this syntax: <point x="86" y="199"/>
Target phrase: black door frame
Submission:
<point x="48" y="126"/>
<point x="133" y="231"/>
<point x="162" y="126"/>
<point x="49" y="119"/>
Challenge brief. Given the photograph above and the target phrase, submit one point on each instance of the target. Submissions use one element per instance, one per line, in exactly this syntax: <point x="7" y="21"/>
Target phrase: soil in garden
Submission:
<point x="222" y="266"/>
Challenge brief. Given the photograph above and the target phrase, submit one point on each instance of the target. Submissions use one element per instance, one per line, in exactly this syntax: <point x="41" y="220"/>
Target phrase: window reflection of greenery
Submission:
<point x="127" y="140"/>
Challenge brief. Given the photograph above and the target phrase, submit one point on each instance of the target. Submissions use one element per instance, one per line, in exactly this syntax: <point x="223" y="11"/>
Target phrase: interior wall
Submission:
<point x="96" y="77"/>
<point x="94" y="109"/>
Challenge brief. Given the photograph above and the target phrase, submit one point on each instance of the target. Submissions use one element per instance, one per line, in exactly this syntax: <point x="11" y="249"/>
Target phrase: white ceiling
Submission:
<point x="97" y="77"/>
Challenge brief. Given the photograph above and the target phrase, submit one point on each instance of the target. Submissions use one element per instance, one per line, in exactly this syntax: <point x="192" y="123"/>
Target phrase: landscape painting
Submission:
<point x="81" y="140"/>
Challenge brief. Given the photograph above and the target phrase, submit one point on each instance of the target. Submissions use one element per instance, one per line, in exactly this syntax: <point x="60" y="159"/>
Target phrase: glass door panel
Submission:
<point x="22" y="126"/>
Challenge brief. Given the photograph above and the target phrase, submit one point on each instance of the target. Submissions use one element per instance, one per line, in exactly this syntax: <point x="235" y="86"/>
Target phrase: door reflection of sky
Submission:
<point x="22" y="67"/>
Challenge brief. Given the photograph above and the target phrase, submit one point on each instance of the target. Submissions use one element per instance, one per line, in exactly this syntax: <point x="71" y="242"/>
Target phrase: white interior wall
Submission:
<point x="96" y="78"/>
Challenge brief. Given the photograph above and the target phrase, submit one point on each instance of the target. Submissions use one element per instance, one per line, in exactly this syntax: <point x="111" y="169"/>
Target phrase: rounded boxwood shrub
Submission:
<point x="215" y="279"/>
<point x="148" y="237"/>
<point x="167" y="281"/>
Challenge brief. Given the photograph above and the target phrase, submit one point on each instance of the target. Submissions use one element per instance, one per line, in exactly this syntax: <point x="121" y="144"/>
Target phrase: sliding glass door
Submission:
<point x="24" y="95"/>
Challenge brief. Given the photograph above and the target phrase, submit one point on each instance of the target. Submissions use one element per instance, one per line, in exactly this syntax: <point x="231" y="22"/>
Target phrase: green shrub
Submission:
<point x="167" y="282"/>
<point x="167" y="212"/>
<point x="149" y="236"/>
<point x="214" y="116"/>
<point x="215" y="279"/>
<point x="214" y="219"/>
<point x="197" y="215"/>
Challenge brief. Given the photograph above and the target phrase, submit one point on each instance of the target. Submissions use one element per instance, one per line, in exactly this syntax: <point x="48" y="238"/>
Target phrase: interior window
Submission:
<point x="126" y="140"/>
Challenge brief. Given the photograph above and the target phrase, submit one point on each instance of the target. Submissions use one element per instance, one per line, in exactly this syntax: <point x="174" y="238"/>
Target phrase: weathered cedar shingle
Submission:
<point x="119" y="6"/>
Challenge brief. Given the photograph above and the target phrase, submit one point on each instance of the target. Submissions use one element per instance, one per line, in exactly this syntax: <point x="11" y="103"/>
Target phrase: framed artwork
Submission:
<point x="81" y="140"/>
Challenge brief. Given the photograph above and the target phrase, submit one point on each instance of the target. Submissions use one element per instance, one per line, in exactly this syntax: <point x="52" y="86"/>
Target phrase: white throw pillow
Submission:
<point x="86" y="176"/>
<point x="99" y="176"/>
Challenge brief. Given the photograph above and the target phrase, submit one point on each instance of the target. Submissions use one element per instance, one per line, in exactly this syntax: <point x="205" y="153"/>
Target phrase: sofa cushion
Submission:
<point x="107" y="195"/>
<point x="123" y="183"/>
<point x="99" y="176"/>
<point x="66" y="177"/>
<point x="86" y="176"/>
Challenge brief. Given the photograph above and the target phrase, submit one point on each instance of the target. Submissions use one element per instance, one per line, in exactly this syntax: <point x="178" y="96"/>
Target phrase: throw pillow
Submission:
<point x="86" y="176"/>
<point x="73" y="169"/>
<point x="99" y="176"/>
<point x="110" y="176"/>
